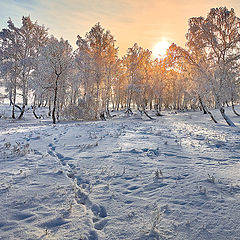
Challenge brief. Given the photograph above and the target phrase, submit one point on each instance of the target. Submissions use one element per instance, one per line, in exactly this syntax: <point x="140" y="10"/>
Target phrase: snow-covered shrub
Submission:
<point x="158" y="174"/>
<point x="7" y="145"/>
<point x="82" y="111"/>
<point x="211" y="179"/>
<point x="20" y="149"/>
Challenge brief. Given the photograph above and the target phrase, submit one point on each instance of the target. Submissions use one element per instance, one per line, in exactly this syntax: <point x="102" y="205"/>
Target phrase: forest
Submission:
<point x="92" y="80"/>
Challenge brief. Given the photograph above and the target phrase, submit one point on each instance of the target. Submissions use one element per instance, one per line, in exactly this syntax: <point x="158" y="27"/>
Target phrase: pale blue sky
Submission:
<point x="130" y="21"/>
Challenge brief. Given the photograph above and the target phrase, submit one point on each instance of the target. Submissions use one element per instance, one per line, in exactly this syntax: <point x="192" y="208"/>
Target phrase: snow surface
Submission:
<point x="176" y="177"/>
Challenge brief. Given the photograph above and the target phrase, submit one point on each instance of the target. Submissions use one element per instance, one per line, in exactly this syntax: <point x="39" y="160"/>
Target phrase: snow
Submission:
<point x="175" y="177"/>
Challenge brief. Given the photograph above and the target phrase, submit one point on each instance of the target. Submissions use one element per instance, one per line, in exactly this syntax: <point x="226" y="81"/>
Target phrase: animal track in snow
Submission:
<point x="99" y="212"/>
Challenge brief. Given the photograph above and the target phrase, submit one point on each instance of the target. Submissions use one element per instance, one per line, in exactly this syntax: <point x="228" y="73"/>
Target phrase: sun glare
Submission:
<point x="160" y="49"/>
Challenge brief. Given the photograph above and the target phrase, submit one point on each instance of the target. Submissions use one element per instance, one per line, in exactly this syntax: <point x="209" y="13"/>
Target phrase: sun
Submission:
<point x="160" y="49"/>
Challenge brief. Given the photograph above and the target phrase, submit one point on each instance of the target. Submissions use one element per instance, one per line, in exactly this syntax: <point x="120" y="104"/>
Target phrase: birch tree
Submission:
<point x="97" y="58"/>
<point x="54" y="64"/>
<point x="218" y="39"/>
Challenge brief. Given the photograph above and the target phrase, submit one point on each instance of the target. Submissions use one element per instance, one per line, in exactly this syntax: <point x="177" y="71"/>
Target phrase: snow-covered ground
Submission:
<point x="175" y="177"/>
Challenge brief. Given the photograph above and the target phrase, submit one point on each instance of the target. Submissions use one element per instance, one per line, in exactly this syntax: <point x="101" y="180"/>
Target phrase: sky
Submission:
<point x="145" y="22"/>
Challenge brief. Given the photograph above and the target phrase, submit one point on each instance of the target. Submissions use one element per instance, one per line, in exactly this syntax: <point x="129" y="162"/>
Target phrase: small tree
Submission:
<point x="54" y="64"/>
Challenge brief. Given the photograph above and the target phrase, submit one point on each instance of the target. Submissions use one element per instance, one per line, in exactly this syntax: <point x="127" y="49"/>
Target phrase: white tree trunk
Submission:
<point x="226" y="118"/>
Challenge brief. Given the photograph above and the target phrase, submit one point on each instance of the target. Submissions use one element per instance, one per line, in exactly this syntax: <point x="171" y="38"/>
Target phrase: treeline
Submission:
<point x="93" y="80"/>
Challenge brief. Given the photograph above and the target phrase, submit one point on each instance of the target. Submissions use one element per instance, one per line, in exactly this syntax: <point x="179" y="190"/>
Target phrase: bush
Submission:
<point x="82" y="111"/>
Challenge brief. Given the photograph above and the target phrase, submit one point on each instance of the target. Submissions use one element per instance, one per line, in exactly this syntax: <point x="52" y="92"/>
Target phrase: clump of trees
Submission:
<point x="213" y="55"/>
<point x="93" y="80"/>
<point x="18" y="54"/>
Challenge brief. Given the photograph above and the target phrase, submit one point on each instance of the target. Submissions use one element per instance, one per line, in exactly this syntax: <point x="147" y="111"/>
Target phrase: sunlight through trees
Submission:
<point x="93" y="80"/>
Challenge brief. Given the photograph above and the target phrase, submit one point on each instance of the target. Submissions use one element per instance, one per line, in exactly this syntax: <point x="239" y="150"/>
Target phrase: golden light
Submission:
<point x="160" y="49"/>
